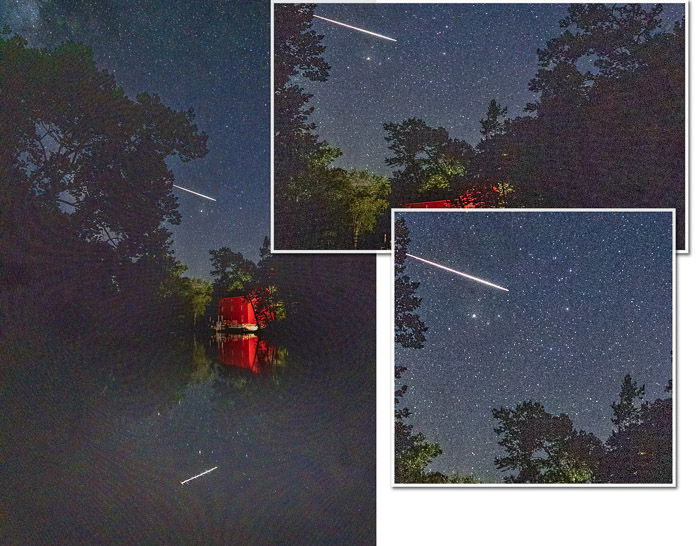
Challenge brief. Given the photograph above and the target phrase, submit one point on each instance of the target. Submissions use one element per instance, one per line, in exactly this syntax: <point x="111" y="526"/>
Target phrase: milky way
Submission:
<point x="590" y="300"/>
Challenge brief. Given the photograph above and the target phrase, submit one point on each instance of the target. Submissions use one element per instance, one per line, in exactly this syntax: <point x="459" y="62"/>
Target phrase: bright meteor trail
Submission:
<point x="355" y="28"/>
<point x="200" y="194"/>
<point x="457" y="272"/>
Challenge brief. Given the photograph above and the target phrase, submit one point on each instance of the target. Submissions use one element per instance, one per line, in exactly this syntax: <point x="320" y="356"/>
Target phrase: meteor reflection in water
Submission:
<point x="457" y="272"/>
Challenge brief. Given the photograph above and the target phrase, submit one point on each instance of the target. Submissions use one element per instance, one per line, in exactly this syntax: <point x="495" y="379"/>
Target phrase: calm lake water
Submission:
<point x="99" y="437"/>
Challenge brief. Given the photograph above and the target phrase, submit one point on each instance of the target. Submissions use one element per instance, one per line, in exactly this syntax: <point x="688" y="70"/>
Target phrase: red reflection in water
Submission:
<point x="246" y="351"/>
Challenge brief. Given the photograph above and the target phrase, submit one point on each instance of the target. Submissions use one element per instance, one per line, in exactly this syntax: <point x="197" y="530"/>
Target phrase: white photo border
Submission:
<point x="390" y="394"/>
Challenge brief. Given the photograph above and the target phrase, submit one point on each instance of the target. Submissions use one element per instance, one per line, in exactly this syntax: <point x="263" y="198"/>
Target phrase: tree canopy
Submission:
<point x="545" y="448"/>
<point x="86" y="190"/>
<point x="317" y="206"/>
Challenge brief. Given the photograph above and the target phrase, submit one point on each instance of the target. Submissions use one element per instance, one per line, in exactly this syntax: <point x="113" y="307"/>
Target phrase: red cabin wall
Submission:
<point x="236" y="310"/>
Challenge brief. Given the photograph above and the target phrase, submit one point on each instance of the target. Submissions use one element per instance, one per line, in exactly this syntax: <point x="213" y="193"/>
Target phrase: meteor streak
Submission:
<point x="457" y="272"/>
<point x="354" y="28"/>
<point x="200" y="194"/>
<point x="198" y="475"/>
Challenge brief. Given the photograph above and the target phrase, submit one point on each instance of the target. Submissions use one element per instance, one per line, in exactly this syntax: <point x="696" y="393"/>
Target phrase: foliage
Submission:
<point x="640" y="449"/>
<point x="235" y="275"/>
<point x="326" y="208"/>
<point x="316" y="206"/>
<point x="609" y="126"/>
<point x="544" y="448"/>
<point x="298" y="154"/>
<point x="492" y="124"/>
<point x="409" y="329"/>
<point x="189" y="298"/>
<point x="80" y="146"/>
<point x="413" y="454"/>
<point x="432" y="165"/>
<point x="298" y="53"/>
<point x="231" y="271"/>
<point x="627" y="412"/>
<point x="85" y="187"/>
<point x="367" y="200"/>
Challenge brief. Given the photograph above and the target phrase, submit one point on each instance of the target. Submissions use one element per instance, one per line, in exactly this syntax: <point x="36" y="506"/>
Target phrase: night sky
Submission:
<point x="211" y="56"/>
<point x="448" y="62"/>
<point x="590" y="300"/>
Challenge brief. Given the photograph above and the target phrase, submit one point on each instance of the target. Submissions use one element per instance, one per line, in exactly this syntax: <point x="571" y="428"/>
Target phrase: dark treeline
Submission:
<point x="607" y="131"/>
<point x="545" y="448"/>
<point x="539" y="446"/>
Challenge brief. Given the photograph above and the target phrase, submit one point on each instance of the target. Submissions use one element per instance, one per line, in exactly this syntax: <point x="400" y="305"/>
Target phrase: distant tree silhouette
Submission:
<point x="492" y="124"/>
<point x="628" y="412"/>
<point x="545" y="448"/>
<point x="640" y="448"/>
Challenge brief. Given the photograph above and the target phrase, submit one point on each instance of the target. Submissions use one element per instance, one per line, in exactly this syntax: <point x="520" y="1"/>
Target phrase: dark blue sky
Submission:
<point x="590" y="300"/>
<point x="211" y="56"/>
<point x="448" y="62"/>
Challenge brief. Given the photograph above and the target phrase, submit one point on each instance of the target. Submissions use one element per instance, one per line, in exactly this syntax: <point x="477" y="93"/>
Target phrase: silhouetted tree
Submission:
<point x="545" y="448"/>
<point x="412" y="452"/>
<point x="85" y="186"/>
<point x="409" y="329"/>
<point x="628" y="411"/>
<point x="232" y="273"/>
<point x="609" y="125"/>
<point x="265" y="252"/>
<point x="297" y="54"/>
<point x="640" y="449"/>
<point x="432" y="165"/>
<point x="493" y="124"/>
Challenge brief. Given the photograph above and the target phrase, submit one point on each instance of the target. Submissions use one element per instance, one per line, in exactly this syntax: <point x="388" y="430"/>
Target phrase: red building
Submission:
<point x="238" y="313"/>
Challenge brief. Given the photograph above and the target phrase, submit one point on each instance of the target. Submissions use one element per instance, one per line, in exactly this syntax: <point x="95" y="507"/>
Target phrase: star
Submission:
<point x="527" y="344"/>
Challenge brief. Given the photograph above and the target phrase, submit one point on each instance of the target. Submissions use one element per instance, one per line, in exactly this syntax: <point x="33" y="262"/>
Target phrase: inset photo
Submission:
<point x="442" y="105"/>
<point x="534" y="347"/>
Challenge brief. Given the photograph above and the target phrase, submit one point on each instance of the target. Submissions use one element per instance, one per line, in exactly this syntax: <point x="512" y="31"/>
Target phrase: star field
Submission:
<point x="590" y="300"/>
<point x="210" y="56"/>
<point x="448" y="62"/>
